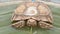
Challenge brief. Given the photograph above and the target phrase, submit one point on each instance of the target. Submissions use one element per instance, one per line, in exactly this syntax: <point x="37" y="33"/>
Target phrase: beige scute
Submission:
<point x="20" y="9"/>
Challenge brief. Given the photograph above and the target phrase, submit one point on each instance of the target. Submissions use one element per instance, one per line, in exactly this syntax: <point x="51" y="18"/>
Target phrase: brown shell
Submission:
<point x="43" y="12"/>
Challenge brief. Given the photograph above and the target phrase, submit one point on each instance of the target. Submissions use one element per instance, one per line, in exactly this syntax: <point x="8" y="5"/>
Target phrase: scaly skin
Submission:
<point x="45" y="25"/>
<point x="19" y="24"/>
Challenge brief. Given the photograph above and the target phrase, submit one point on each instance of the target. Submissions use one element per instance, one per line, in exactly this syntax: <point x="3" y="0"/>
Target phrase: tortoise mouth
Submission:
<point x="30" y="11"/>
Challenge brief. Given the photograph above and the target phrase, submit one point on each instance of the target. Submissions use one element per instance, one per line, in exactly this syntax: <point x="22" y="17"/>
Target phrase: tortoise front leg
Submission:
<point x="45" y="25"/>
<point x="19" y="24"/>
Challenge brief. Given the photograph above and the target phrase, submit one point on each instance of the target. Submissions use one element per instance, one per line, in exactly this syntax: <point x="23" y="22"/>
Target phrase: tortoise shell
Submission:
<point x="32" y="14"/>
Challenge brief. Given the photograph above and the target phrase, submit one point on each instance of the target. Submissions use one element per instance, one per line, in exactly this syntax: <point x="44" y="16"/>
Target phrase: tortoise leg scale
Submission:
<point x="19" y="24"/>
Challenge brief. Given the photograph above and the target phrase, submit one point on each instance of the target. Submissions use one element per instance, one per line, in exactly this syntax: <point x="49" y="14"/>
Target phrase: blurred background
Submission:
<point x="7" y="7"/>
<point x="55" y="1"/>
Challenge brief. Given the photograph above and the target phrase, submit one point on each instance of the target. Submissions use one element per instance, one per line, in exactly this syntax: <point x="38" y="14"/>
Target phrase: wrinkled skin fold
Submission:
<point x="32" y="14"/>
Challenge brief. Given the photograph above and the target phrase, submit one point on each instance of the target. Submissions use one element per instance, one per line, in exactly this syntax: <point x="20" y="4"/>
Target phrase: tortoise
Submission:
<point x="32" y="14"/>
